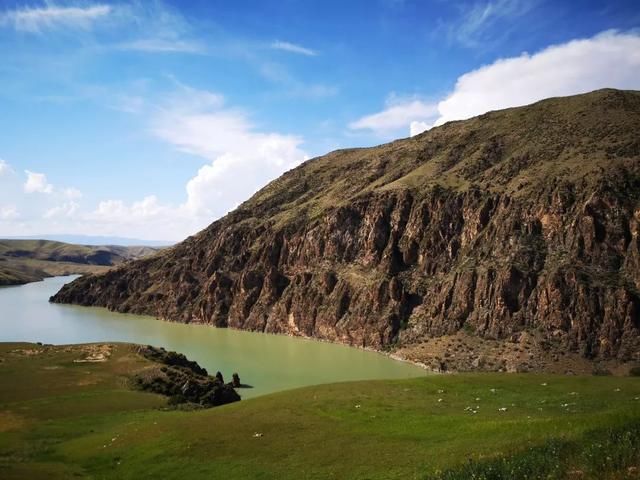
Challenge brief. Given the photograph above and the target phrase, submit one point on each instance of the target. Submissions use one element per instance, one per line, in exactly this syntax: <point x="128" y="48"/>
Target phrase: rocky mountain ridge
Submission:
<point x="525" y="219"/>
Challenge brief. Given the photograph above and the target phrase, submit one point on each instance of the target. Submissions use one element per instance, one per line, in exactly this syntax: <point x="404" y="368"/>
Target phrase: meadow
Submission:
<point x="62" y="416"/>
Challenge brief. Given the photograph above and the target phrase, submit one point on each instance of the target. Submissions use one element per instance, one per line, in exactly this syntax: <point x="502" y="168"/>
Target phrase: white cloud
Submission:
<point x="4" y="167"/>
<point x="119" y="211"/>
<point x="37" y="183"/>
<point x="8" y="212"/>
<point x="72" y="193"/>
<point x="67" y="209"/>
<point x="482" y="23"/>
<point x="293" y="48"/>
<point x="399" y="115"/>
<point x="610" y="59"/>
<point x="162" y="45"/>
<point x="242" y="158"/>
<point x="238" y="159"/>
<point x="50" y="16"/>
<point x="417" y="127"/>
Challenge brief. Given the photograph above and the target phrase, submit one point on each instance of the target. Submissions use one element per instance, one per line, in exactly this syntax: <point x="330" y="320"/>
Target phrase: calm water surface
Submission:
<point x="268" y="362"/>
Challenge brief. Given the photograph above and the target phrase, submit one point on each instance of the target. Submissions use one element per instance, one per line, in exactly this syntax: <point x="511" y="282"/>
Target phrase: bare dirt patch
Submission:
<point x="95" y="354"/>
<point x="10" y="421"/>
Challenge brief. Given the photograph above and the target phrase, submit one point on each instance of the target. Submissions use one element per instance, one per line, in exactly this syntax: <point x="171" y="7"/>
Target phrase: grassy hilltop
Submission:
<point x="64" y="418"/>
<point x="24" y="261"/>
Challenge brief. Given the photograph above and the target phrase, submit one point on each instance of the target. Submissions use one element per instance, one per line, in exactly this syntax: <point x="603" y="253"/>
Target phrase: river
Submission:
<point x="269" y="363"/>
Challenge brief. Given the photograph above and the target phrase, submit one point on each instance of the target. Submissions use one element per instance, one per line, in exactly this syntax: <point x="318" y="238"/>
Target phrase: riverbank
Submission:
<point x="268" y="362"/>
<point x="63" y="419"/>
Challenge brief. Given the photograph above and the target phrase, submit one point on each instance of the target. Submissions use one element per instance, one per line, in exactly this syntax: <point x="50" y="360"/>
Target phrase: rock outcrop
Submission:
<point x="520" y="219"/>
<point x="182" y="380"/>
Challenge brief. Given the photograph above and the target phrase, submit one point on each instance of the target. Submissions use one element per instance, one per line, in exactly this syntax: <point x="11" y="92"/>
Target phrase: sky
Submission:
<point x="150" y="119"/>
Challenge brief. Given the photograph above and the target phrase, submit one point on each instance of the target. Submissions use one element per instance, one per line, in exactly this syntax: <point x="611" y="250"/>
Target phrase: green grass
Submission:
<point x="55" y="424"/>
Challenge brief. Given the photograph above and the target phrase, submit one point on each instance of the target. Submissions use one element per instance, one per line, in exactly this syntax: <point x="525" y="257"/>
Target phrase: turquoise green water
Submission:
<point x="268" y="362"/>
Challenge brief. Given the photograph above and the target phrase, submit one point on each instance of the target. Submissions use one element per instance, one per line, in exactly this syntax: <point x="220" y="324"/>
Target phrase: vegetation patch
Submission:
<point x="600" y="454"/>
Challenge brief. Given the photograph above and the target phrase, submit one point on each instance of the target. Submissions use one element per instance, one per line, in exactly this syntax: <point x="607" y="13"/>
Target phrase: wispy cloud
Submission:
<point x="479" y="21"/>
<point x="399" y="114"/>
<point x="149" y="27"/>
<point x="51" y="16"/>
<point x="162" y="45"/>
<point x="294" y="87"/>
<point x="293" y="48"/>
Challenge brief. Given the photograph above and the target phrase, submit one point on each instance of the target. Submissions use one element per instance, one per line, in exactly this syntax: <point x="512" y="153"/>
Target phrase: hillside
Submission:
<point x="519" y="225"/>
<point x="23" y="261"/>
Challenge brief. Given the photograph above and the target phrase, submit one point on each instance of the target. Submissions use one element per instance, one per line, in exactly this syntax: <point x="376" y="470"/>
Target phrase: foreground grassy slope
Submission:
<point x="60" y="418"/>
<point x="24" y="261"/>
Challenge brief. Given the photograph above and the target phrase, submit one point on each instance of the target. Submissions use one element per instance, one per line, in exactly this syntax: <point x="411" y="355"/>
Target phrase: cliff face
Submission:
<point x="521" y="219"/>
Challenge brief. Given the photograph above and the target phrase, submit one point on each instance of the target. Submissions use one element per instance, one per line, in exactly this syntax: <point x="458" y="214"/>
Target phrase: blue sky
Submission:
<point x="150" y="119"/>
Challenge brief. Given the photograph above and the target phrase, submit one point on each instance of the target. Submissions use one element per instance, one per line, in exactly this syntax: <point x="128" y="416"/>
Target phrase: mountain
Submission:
<point x="519" y="227"/>
<point x="94" y="240"/>
<point x="24" y="261"/>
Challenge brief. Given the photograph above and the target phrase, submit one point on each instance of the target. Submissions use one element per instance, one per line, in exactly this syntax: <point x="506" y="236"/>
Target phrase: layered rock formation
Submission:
<point x="520" y="219"/>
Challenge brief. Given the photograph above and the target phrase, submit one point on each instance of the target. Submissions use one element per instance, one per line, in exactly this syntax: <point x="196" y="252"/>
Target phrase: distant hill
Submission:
<point x="23" y="261"/>
<point x="93" y="240"/>
<point x="519" y="228"/>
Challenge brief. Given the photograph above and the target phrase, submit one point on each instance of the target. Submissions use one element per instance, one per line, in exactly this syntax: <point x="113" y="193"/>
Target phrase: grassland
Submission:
<point x="60" y="418"/>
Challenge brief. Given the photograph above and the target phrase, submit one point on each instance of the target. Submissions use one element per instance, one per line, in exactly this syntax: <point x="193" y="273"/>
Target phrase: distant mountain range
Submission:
<point x="94" y="240"/>
<point x="24" y="261"/>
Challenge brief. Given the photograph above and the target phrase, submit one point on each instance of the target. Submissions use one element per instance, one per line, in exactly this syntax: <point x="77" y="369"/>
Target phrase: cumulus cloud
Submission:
<point x="119" y="210"/>
<point x="237" y="159"/>
<point x="8" y="212"/>
<point x="37" y="183"/>
<point x="242" y="158"/>
<point x="37" y="214"/>
<point x="50" y="16"/>
<point x="293" y="48"/>
<point x="4" y="167"/>
<point x="611" y="59"/>
<point x="417" y="127"/>
<point x="608" y="60"/>
<point x="397" y="115"/>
